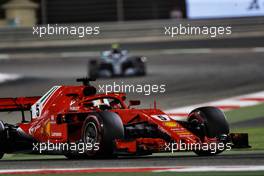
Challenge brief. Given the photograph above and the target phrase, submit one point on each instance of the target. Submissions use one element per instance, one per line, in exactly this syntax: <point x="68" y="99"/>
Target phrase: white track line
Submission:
<point x="187" y="51"/>
<point x="4" y="56"/>
<point x="258" y="49"/>
<point x="8" y="77"/>
<point x="215" y="169"/>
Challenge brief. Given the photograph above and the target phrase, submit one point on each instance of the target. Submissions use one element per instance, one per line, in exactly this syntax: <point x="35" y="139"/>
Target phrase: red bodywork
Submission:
<point x="16" y="104"/>
<point x="70" y="101"/>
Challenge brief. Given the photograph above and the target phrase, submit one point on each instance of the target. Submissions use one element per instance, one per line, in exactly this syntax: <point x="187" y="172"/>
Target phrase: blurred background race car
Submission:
<point x="117" y="62"/>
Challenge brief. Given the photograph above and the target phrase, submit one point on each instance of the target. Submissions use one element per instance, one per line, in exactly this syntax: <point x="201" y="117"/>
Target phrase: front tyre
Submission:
<point x="92" y="133"/>
<point x="135" y="66"/>
<point x="209" y="122"/>
<point x="140" y="65"/>
<point x="100" y="130"/>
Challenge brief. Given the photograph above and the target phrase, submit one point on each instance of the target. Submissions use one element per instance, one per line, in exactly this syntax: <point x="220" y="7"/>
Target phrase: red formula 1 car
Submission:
<point x="68" y="115"/>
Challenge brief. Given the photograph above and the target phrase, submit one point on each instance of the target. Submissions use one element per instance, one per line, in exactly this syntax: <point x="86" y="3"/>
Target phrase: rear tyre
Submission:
<point x="93" y="69"/>
<point x="100" y="130"/>
<point x="209" y="122"/>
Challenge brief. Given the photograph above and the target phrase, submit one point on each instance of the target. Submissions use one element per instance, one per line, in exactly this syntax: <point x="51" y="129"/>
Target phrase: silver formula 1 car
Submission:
<point x="114" y="63"/>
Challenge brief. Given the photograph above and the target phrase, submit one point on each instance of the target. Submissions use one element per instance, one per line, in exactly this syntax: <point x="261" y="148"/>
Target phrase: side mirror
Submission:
<point x="134" y="103"/>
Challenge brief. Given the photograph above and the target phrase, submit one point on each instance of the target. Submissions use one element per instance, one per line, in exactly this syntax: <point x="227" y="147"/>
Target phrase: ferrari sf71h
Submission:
<point x="76" y="114"/>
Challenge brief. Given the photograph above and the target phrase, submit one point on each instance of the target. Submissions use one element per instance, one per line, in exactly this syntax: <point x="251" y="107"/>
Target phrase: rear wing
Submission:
<point x="17" y="104"/>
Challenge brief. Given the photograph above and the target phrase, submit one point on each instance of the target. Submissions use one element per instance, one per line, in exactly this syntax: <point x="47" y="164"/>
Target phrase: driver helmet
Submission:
<point x="115" y="48"/>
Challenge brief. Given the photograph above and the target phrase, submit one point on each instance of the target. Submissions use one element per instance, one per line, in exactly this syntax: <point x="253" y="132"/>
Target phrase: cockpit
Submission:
<point x="105" y="103"/>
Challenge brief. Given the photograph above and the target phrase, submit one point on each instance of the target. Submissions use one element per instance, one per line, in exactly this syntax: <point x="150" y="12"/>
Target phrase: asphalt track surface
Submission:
<point x="189" y="78"/>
